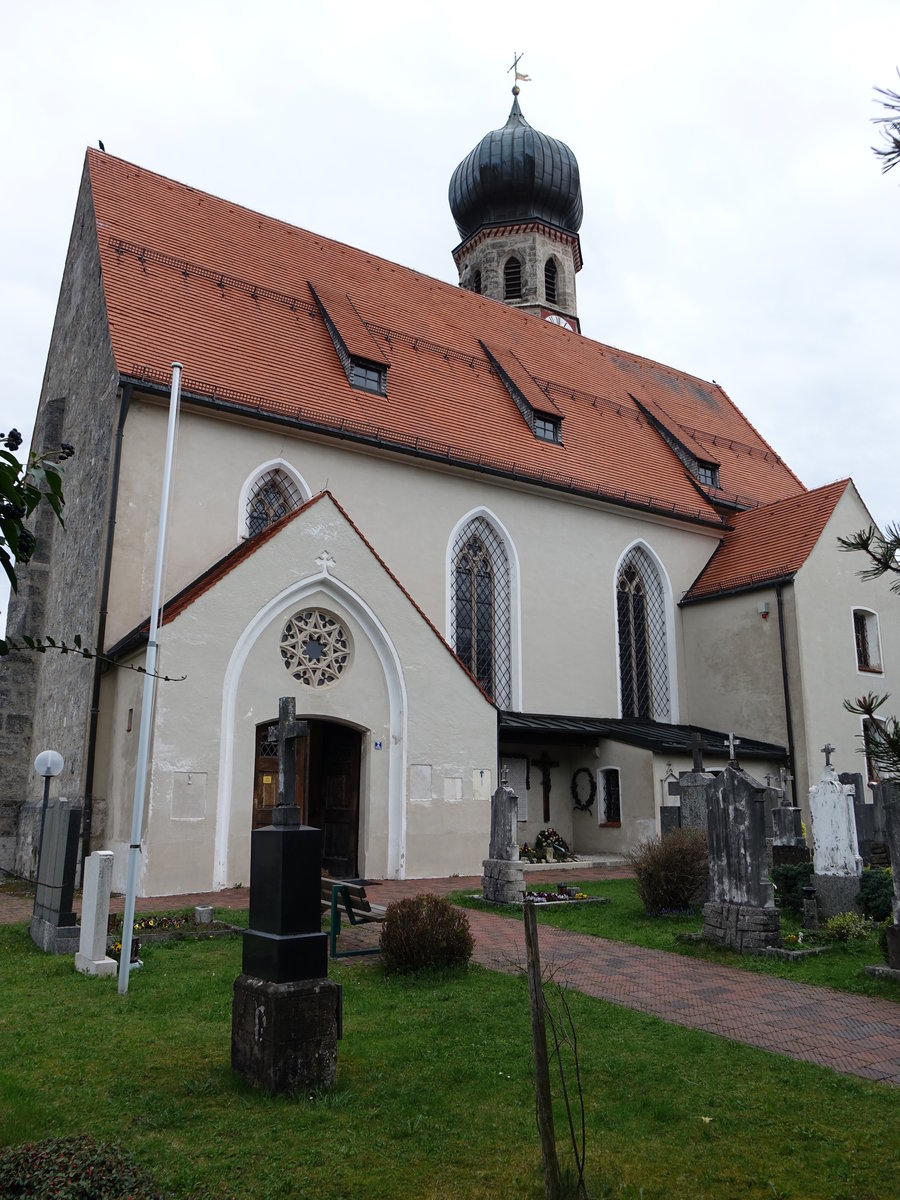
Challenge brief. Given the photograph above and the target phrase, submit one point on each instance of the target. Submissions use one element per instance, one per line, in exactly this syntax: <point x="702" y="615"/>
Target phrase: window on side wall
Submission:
<point x="609" y="811"/>
<point x="272" y="496"/>
<point x="868" y="644"/>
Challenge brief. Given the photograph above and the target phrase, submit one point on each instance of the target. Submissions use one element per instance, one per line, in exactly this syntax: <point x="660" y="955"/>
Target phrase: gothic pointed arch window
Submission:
<point x="512" y="279"/>
<point x="271" y="496"/>
<point x="643" y="647"/>
<point x="480" y="607"/>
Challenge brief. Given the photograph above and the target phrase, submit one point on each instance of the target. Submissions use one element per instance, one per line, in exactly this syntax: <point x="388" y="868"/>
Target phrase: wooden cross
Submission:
<point x="546" y="765"/>
<point x="289" y="729"/>
<point x="731" y="743"/>
<point x="697" y="749"/>
<point x="828" y="750"/>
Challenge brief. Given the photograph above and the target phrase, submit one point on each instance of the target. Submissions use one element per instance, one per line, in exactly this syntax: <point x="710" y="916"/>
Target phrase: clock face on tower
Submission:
<point x="556" y="319"/>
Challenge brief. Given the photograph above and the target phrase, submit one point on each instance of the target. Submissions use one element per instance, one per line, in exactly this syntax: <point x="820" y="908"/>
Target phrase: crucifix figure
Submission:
<point x="546" y="765"/>
<point x="731" y="743"/>
<point x="289" y="729"/>
<point x="828" y="750"/>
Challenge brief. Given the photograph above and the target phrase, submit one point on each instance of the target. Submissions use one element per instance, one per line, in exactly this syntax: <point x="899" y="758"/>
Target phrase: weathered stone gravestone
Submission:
<point x="53" y="925"/>
<point x="881" y="792"/>
<point x="669" y="819"/>
<point x="91" y="957"/>
<point x="837" y="864"/>
<point x="891" y="800"/>
<point x="863" y="812"/>
<point x="286" y="1013"/>
<point x="740" y="913"/>
<point x="502" y="881"/>
<point x="691" y="788"/>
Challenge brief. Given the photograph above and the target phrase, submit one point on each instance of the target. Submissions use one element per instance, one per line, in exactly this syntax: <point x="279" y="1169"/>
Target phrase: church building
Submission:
<point x="461" y="533"/>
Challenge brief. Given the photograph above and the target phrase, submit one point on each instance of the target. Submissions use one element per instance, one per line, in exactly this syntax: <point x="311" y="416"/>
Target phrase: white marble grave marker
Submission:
<point x="91" y="958"/>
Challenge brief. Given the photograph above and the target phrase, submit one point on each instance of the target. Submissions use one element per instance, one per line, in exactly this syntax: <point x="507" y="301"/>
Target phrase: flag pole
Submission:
<point x="140" y="781"/>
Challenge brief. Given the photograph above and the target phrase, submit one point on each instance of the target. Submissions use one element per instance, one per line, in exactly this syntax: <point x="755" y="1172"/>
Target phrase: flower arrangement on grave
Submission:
<point x="549" y="840"/>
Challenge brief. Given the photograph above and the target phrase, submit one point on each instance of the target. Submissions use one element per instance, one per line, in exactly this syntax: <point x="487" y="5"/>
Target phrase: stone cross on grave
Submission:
<point x="546" y="765"/>
<point x="731" y="743"/>
<point x="289" y="729"/>
<point x="697" y="751"/>
<point x="828" y="750"/>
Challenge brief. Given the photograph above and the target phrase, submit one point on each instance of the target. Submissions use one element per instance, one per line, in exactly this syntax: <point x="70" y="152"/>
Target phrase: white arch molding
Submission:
<point x="274" y="464"/>
<point x="515" y="602"/>
<point x="372" y="628"/>
<point x="671" y="656"/>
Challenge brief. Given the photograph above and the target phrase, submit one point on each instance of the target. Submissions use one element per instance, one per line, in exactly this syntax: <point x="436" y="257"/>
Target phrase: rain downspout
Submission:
<point x="124" y="405"/>
<point x="787" y="690"/>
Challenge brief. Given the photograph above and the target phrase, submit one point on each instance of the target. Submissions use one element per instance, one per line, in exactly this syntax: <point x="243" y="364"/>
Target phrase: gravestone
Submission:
<point x="891" y="800"/>
<point x="740" y="913"/>
<point x="669" y="819"/>
<point x="91" y="957"/>
<point x="881" y="792"/>
<point x="502" y="881"/>
<point x="837" y="864"/>
<point x="286" y="1013"/>
<point x="53" y="926"/>
<point x="863" y="812"/>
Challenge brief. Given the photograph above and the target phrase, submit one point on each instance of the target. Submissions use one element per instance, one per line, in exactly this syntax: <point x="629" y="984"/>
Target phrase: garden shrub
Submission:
<point x="790" y="879"/>
<point x="672" y="873"/>
<point x="425" y="931"/>
<point x="846" y="927"/>
<point x="76" y="1168"/>
<point x="876" y="893"/>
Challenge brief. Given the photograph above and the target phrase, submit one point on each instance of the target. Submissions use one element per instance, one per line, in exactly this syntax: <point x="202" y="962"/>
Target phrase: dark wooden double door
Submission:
<point x="327" y="791"/>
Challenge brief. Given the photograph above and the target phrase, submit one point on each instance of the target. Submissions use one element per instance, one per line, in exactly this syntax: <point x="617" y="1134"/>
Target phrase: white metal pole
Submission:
<point x="140" y="781"/>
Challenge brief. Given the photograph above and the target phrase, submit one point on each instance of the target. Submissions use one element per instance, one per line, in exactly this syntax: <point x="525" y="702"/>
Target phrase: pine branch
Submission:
<point x="40" y="645"/>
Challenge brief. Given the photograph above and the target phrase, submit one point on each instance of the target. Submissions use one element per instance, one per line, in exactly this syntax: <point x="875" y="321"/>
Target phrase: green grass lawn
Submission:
<point x="434" y="1095"/>
<point x="624" y="920"/>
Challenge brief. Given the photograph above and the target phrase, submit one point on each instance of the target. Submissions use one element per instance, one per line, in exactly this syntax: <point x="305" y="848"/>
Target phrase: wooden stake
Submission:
<point x="542" y="1096"/>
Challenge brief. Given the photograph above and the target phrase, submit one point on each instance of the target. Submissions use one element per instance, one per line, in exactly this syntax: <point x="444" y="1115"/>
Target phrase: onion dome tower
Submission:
<point x="516" y="201"/>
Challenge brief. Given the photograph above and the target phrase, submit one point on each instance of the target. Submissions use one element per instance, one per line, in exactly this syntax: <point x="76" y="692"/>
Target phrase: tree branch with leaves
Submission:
<point x="889" y="128"/>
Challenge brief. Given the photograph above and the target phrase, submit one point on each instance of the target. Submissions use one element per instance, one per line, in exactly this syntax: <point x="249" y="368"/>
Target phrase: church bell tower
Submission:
<point x="516" y="201"/>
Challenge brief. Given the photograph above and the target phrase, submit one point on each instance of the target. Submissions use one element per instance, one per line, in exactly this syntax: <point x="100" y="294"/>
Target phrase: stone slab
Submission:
<point x="54" y="939"/>
<point x="745" y="928"/>
<point x="835" y="894"/>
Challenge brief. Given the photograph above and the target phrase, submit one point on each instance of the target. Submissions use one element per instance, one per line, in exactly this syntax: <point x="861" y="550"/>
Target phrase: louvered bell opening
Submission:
<point x="512" y="279"/>
<point x="550" y="281"/>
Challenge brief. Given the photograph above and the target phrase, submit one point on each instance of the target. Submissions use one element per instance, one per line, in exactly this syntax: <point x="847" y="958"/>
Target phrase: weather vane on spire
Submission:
<point x="517" y="58"/>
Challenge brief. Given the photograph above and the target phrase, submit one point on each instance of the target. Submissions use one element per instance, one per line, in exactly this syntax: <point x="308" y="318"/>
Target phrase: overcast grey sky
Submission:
<point x="736" y="222"/>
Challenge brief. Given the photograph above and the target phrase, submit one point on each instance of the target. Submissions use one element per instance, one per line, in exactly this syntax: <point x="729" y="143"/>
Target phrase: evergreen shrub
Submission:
<point x="876" y="893"/>
<point x="846" y="927"/>
<point x="72" y="1168"/>
<point x="790" y="879"/>
<point x="672" y="872"/>
<point x="425" y="931"/>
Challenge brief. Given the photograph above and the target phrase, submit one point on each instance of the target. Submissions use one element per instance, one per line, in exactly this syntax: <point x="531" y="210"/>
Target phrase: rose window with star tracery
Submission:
<point x="315" y="648"/>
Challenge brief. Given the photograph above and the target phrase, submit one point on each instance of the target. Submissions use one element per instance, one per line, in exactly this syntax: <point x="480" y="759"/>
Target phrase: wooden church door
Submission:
<point x="333" y="794"/>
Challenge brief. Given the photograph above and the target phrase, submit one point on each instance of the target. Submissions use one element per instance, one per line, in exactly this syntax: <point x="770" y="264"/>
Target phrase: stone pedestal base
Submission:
<point x="284" y="1035"/>
<point x="835" y="894"/>
<point x="893" y="947"/>
<point x="503" y="881"/>
<point x="54" y="939"/>
<point x="741" y="927"/>
<point x="810" y="914"/>
<point x="95" y="966"/>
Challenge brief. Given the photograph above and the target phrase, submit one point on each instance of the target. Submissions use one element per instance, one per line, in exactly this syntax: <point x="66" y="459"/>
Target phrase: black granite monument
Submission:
<point x="286" y="1013"/>
<point x="53" y="926"/>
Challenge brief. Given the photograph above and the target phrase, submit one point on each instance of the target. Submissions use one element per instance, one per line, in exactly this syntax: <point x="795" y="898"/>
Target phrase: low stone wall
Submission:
<point x="745" y="928"/>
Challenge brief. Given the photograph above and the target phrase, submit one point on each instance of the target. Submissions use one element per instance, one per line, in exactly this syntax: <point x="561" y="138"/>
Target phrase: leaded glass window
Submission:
<point x="480" y="607"/>
<point x="643" y="650"/>
<point x="272" y="496"/>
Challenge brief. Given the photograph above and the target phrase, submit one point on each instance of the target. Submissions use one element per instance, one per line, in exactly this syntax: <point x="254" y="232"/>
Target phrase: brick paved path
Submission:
<point x="857" y="1035"/>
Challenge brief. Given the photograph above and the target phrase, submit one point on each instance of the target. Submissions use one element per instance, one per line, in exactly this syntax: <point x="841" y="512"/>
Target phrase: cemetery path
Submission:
<point x="856" y="1035"/>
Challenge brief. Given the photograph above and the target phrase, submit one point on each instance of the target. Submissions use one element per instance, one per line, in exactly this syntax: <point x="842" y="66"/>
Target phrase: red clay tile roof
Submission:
<point x="226" y="291"/>
<point x="767" y="543"/>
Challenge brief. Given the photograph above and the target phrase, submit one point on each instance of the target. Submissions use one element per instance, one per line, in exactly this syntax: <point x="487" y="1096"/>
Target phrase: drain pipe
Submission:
<point x="90" y="759"/>
<point x="787" y="690"/>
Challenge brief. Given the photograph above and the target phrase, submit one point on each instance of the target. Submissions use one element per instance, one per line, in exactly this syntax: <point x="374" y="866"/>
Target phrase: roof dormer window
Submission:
<point x="707" y="474"/>
<point x="368" y="376"/>
<point x="547" y="428"/>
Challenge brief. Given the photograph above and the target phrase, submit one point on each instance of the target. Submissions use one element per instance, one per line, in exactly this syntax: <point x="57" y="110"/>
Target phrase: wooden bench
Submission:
<point x="338" y="896"/>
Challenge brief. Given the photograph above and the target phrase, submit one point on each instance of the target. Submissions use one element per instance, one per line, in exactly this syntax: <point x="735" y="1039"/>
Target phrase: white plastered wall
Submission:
<point x="403" y="689"/>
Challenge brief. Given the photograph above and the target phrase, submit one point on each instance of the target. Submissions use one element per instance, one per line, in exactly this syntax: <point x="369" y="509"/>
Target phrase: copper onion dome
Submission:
<point x="516" y="174"/>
